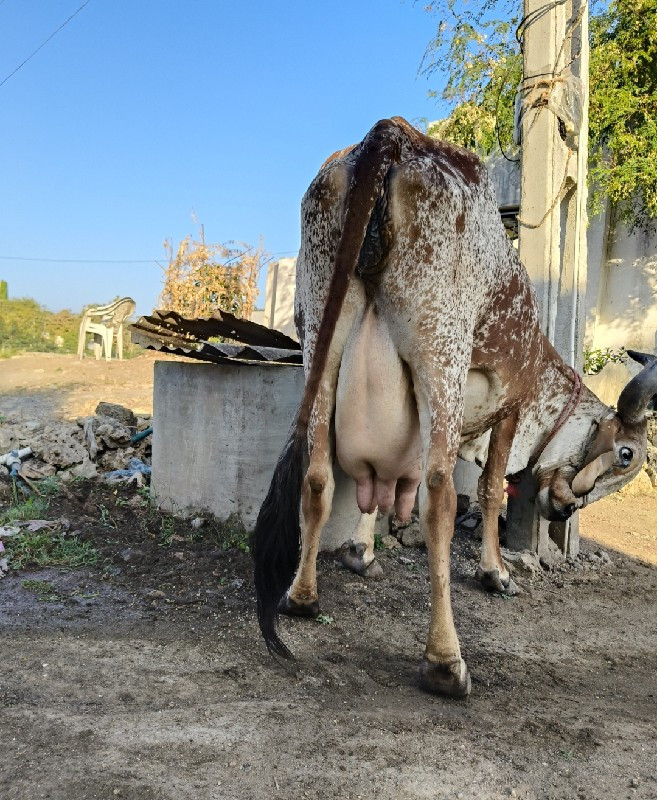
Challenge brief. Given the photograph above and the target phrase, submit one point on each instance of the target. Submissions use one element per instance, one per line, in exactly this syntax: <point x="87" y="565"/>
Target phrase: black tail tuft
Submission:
<point x="275" y="540"/>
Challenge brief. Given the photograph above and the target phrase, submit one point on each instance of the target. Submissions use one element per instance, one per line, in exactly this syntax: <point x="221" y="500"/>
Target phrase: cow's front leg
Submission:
<point x="492" y="571"/>
<point x="357" y="554"/>
<point x="443" y="670"/>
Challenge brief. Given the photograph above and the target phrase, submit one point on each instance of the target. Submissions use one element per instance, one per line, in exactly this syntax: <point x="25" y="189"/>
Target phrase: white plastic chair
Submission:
<point x="105" y="323"/>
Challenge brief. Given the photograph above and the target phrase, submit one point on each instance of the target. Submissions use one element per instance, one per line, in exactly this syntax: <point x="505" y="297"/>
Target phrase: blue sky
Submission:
<point x="141" y="116"/>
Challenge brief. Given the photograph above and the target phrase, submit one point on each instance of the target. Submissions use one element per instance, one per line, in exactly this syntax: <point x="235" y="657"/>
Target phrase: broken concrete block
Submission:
<point x="116" y="459"/>
<point x="86" y="469"/>
<point x="110" y="433"/>
<point x="120" y="413"/>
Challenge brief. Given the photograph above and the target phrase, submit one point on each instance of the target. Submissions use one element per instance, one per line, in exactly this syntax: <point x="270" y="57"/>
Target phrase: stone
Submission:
<point x="651" y="458"/>
<point x="552" y="557"/>
<point x="32" y="426"/>
<point x="116" y="459"/>
<point x="389" y="542"/>
<point x="652" y="474"/>
<point x="86" y="469"/>
<point x="6" y="440"/>
<point x="412" y="536"/>
<point x="471" y="522"/>
<point x="60" y="444"/>
<point x="522" y="561"/>
<point x="397" y="525"/>
<point x="131" y="554"/>
<point x="120" y="413"/>
<point x="111" y="433"/>
<point x="34" y="470"/>
<point x="637" y="487"/>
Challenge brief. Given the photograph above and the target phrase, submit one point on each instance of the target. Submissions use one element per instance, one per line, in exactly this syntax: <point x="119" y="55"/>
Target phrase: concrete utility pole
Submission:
<point x="552" y="221"/>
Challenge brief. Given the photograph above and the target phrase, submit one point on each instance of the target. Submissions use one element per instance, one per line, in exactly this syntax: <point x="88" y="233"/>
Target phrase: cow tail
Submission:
<point x="275" y="542"/>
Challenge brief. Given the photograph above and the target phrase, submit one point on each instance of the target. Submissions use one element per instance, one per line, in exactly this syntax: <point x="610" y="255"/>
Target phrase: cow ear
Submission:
<point x="585" y="479"/>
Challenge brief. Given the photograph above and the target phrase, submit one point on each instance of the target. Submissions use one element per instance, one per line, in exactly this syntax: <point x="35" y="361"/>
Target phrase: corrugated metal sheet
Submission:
<point x="170" y="332"/>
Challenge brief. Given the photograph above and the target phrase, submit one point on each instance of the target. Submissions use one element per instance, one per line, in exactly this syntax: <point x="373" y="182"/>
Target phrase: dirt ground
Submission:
<point x="144" y="677"/>
<point x="46" y="385"/>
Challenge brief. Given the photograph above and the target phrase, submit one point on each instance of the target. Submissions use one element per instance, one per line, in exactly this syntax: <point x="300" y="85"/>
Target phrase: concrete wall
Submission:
<point x="218" y="430"/>
<point x="621" y="292"/>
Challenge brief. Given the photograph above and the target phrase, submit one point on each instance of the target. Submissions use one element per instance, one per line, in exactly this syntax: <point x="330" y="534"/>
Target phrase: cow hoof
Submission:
<point x="372" y="570"/>
<point x="450" y="679"/>
<point x="352" y="556"/>
<point x="291" y="608"/>
<point x="492" y="582"/>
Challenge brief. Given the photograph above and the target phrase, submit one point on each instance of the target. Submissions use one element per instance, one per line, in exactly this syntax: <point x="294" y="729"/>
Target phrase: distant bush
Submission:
<point x="25" y="326"/>
<point x="203" y="278"/>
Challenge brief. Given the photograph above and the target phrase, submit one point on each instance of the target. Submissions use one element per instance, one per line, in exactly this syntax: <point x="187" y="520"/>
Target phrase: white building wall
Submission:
<point x="279" y="296"/>
<point x="622" y="290"/>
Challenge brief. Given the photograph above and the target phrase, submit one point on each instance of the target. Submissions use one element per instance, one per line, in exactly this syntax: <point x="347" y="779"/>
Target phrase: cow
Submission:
<point x="420" y="336"/>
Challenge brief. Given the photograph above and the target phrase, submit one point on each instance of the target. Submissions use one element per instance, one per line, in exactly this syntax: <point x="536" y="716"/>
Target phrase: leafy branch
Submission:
<point x="477" y="51"/>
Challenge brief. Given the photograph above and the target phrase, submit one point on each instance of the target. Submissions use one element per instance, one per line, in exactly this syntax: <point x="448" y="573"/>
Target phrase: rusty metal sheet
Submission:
<point x="168" y="331"/>
<point x="223" y="324"/>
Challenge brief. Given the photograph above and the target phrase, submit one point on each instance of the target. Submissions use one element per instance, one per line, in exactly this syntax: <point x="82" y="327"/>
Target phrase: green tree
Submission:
<point x="477" y="50"/>
<point x="623" y="109"/>
<point x="4" y="290"/>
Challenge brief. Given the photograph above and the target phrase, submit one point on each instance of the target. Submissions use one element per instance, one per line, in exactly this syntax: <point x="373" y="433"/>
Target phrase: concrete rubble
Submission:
<point x="87" y="448"/>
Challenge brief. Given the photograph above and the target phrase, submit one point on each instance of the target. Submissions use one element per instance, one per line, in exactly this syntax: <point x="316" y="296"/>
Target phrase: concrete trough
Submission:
<point x="218" y="430"/>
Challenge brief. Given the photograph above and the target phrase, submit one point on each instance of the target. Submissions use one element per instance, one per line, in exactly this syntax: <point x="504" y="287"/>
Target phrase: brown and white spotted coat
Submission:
<point x="421" y="338"/>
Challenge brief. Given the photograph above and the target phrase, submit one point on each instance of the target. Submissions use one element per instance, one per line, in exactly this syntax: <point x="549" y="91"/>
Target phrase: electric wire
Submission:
<point x="112" y="260"/>
<point x="43" y="44"/>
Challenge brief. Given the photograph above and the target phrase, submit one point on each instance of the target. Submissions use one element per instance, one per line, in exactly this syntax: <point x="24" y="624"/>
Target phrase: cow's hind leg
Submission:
<point x="443" y="670"/>
<point x="316" y="498"/>
<point x="492" y="572"/>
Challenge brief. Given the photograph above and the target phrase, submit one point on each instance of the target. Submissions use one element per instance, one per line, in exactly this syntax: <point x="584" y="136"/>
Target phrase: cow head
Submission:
<point x="614" y="453"/>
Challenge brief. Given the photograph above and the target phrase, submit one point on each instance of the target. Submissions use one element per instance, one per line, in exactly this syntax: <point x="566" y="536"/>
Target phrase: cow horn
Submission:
<point x="585" y="479"/>
<point x="640" y="391"/>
